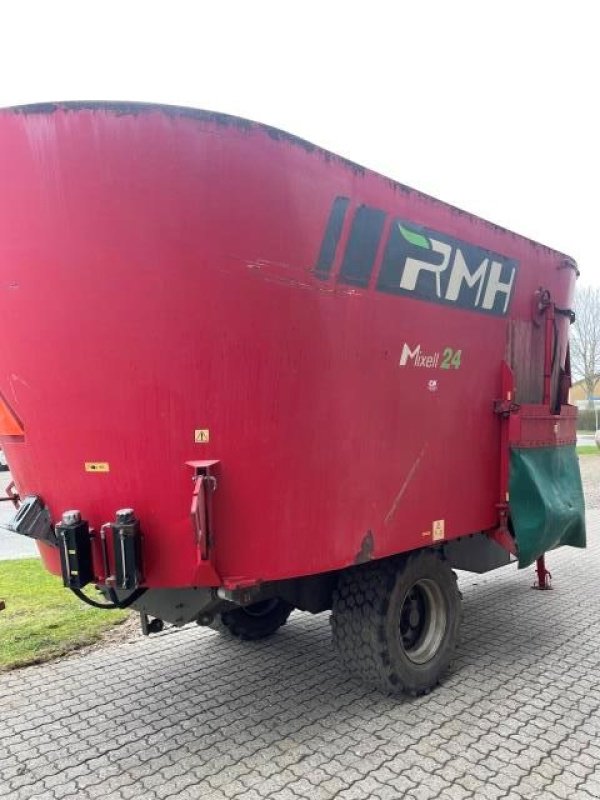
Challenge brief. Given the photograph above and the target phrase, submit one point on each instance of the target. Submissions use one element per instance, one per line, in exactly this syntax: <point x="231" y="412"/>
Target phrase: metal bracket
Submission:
<point x="204" y="485"/>
<point x="541" y="302"/>
<point x="33" y="519"/>
<point x="12" y="495"/>
<point x="150" y="625"/>
<point x="504" y="408"/>
<point x="200" y="516"/>
<point x="501" y="534"/>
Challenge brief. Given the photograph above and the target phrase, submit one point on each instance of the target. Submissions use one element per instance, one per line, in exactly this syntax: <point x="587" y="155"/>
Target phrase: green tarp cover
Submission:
<point x="546" y="500"/>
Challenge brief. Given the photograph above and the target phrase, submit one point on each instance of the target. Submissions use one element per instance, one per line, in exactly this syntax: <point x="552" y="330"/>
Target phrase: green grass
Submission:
<point x="42" y="619"/>
<point x="588" y="450"/>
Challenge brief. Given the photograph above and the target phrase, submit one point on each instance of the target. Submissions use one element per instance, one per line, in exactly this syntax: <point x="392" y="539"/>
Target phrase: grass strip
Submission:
<point x="42" y="619"/>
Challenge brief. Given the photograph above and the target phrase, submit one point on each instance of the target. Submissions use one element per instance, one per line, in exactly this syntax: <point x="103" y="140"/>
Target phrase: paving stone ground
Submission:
<point x="190" y="715"/>
<point x="590" y="475"/>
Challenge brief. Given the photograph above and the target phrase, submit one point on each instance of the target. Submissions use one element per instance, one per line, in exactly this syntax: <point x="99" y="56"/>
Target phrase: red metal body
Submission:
<point x="160" y="305"/>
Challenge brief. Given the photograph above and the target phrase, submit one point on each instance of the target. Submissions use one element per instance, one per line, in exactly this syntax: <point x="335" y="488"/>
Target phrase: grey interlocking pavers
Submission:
<point x="188" y="714"/>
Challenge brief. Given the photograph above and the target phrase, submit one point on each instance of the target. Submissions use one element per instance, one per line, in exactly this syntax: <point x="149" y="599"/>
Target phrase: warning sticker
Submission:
<point x="97" y="466"/>
<point x="438" y="529"/>
<point x="201" y="435"/>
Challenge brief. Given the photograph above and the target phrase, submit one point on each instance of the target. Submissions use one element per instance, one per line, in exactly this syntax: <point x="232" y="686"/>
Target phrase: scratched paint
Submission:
<point x="411" y="474"/>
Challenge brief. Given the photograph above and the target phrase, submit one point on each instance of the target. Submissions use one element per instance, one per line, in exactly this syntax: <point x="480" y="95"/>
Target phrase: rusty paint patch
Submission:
<point x="122" y="109"/>
<point x="366" y="549"/>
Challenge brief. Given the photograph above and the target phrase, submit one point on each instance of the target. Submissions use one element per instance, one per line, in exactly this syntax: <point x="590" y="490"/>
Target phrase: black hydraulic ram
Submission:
<point x="75" y="547"/>
<point x="127" y="549"/>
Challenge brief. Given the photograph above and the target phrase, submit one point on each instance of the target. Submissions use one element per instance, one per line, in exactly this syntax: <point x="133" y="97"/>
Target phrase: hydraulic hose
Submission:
<point x="115" y="602"/>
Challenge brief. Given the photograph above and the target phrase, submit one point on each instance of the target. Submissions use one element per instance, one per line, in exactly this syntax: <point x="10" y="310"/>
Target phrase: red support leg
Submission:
<point x="543" y="575"/>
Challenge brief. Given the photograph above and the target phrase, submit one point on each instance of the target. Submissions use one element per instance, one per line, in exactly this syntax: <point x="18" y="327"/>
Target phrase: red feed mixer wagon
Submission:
<point x="241" y="375"/>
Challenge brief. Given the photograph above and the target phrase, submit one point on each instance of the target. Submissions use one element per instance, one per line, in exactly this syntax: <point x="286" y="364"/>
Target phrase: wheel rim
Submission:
<point x="423" y="620"/>
<point x="261" y="609"/>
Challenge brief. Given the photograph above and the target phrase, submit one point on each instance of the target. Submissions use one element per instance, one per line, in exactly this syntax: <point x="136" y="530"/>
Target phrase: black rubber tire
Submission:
<point x="369" y="604"/>
<point x="256" y="621"/>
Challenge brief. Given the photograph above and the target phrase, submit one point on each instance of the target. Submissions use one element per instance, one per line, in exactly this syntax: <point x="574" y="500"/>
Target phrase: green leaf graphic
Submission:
<point x="414" y="238"/>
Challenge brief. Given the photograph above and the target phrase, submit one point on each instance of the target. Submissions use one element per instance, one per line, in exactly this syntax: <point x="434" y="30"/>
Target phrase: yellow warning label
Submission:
<point x="97" y="466"/>
<point x="201" y="435"/>
<point x="437" y="529"/>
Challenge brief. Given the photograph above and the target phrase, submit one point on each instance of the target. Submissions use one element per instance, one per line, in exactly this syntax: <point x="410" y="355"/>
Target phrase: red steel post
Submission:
<point x="543" y="575"/>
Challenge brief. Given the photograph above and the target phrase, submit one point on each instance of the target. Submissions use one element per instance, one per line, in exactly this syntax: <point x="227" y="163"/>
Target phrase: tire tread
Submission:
<point x="360" y="607"/>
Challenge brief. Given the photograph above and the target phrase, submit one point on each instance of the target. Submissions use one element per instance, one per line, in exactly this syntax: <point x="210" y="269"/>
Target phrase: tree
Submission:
<point x="585" y="339"/>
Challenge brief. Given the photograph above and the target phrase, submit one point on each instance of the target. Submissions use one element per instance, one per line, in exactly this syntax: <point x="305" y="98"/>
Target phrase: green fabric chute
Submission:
<point x="546" y="500"/>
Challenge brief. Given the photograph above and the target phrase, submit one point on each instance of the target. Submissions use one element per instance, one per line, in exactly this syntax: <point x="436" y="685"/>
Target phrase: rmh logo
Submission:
<point x="416" y="262"/>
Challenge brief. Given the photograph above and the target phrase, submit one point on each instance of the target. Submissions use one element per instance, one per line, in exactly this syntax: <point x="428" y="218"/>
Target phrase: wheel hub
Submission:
<point x="423" y="621"/>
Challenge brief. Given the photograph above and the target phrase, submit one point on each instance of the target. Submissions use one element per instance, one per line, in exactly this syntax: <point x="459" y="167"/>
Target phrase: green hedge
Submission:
<point x="586" y="419"/>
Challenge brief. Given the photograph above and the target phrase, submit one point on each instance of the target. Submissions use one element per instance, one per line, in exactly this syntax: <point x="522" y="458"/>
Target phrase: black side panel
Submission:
<point x="476" y="553"/>
<point x="332" y="236"/>
<point x="362" y="246"/>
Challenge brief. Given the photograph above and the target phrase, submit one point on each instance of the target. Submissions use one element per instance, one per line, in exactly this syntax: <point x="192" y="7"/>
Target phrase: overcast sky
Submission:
<point x="490" y="106"/>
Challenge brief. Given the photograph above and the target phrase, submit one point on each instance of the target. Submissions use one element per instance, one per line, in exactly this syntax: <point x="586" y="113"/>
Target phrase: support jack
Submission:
<point x="544" y="576"/>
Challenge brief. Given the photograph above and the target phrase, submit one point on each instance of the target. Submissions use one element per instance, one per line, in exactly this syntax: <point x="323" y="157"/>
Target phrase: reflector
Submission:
<point x="9" y="422"/>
